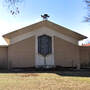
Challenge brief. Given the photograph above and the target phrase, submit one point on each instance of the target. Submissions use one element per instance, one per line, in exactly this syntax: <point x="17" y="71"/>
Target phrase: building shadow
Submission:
<point x="75" y="73"/>
<point x="70" y="72"/>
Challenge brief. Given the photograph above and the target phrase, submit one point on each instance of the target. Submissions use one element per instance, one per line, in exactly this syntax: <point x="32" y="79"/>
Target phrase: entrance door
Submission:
<point x="44" y="56"/>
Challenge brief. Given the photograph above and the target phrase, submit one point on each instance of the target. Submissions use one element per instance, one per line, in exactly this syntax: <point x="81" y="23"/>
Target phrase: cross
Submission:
<point x="45" y="16"/>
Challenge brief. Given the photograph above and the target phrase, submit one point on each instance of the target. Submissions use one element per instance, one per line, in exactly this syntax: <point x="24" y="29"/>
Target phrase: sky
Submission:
<point x="68" y="13"/>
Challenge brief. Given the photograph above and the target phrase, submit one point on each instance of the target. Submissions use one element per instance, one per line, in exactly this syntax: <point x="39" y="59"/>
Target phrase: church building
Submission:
<point x="43" y="44"/>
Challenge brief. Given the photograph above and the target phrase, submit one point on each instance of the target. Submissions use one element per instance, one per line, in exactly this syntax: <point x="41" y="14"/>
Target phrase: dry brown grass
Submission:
<point x="42" y="81"/>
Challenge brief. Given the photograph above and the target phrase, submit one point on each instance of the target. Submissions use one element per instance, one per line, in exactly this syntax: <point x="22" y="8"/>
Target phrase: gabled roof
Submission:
<point x="48" y="24"/>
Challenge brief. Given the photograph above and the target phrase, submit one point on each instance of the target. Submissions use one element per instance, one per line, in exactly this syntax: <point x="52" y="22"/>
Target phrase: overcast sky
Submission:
<point x="68" y="13"/>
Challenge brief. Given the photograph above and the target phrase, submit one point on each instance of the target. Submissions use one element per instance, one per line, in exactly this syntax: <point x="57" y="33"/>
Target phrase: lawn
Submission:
<point x="64" y="80"/>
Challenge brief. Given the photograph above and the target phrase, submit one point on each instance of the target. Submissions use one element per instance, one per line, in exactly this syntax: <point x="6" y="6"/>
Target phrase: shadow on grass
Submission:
<point x="72" y="72"/>
<point x="80" y="73"/>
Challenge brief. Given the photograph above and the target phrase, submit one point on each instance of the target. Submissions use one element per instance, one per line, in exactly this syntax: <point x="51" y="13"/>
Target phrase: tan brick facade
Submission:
<point x="84" y="56"/>
<point x="66" y="54"/>
<point x="3" y="56"/>
<point x="22" y="54"/>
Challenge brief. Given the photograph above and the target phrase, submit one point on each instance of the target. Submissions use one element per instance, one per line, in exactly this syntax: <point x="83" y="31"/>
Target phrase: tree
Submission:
<point x="87" y="18"/>
<point x="13" y="6"/>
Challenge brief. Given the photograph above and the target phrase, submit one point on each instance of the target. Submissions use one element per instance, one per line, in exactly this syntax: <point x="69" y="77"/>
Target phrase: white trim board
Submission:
<point x="44" y="30"/>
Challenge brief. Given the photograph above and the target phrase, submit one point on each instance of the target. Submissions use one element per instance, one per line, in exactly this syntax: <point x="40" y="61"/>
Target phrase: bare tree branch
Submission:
<point x="13" y="6"/>
<point x="87" y="18"/>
